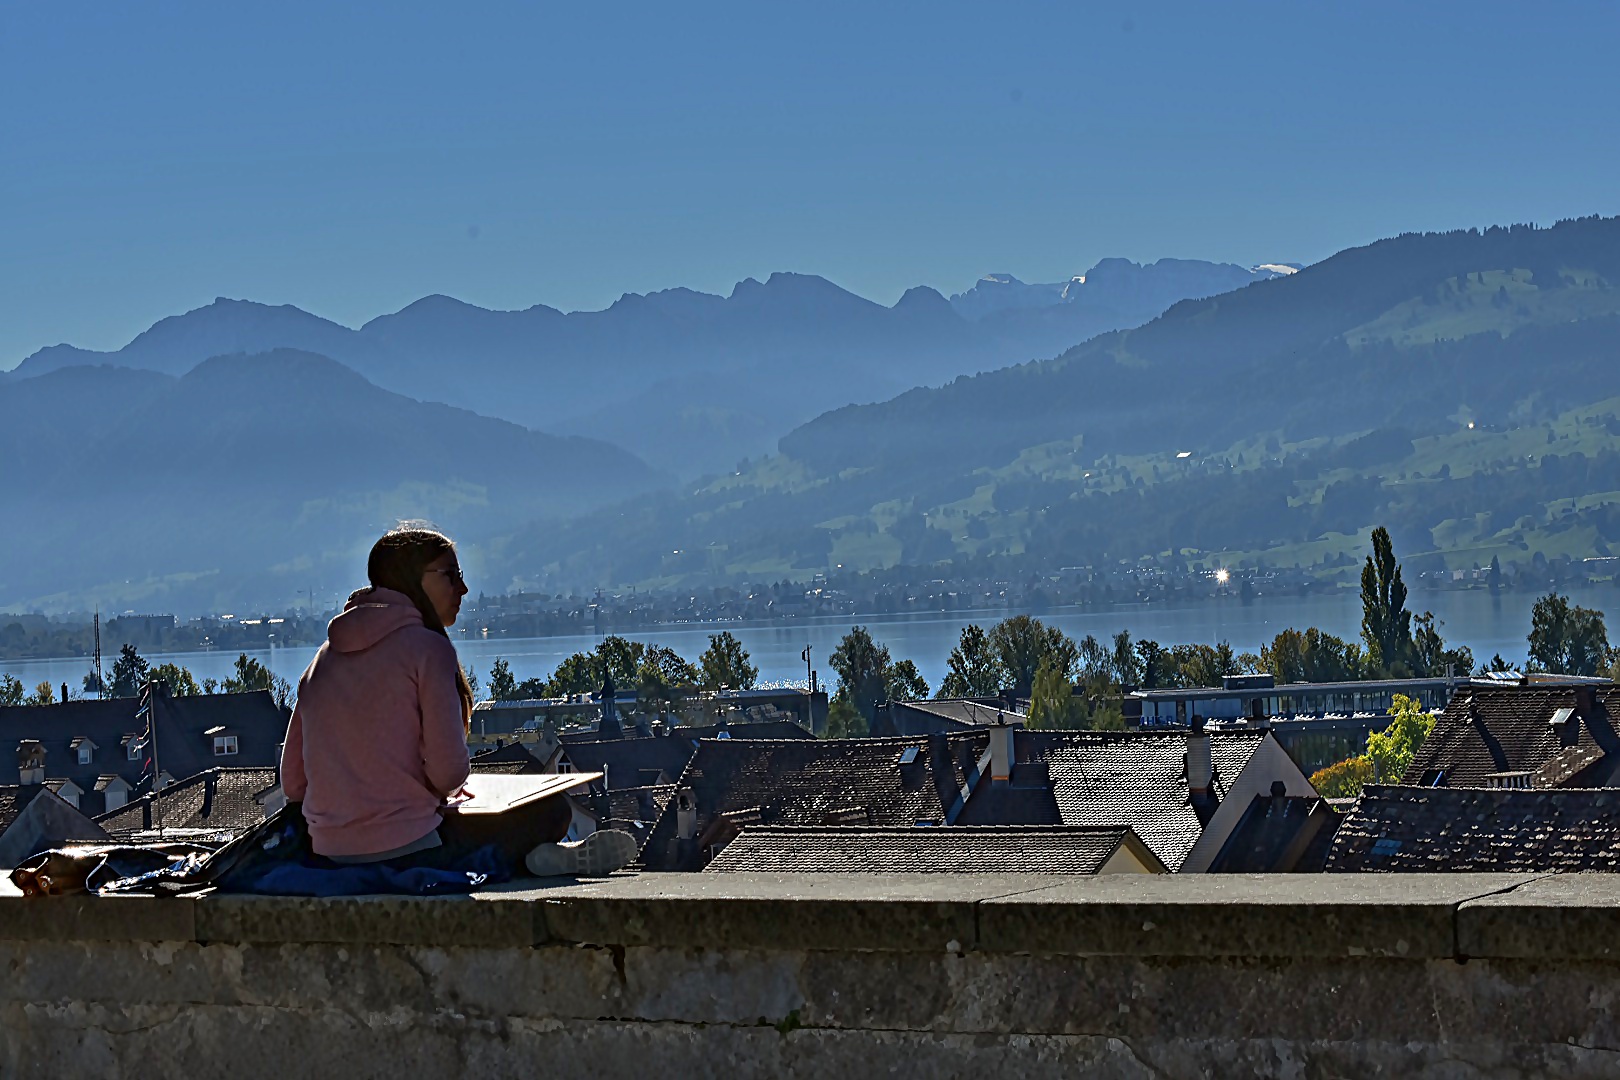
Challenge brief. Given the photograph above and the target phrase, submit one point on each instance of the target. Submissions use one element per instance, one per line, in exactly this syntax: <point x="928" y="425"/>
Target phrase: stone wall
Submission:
<point x="727" y="975"/>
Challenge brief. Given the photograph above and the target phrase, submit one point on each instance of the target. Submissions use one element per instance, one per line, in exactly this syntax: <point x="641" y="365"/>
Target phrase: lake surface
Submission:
<point x="1474" y="618"/>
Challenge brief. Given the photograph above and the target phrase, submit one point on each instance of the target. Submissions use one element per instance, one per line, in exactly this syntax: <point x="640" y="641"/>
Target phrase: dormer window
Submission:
<point x="84" y="753"/>
<point x="132" y="747"/>
<point x="224" y="745"/>
<point x="84" y="750"/>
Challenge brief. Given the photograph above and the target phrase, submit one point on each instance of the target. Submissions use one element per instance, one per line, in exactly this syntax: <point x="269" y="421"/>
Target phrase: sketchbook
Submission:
<point x="496" y="793"/>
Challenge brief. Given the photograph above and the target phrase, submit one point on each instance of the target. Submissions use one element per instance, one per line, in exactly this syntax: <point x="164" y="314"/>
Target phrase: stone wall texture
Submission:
<point x="694" y="976"/>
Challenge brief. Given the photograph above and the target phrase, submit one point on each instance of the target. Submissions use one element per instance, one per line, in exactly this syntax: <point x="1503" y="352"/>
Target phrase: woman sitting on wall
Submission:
<point x="378" y="741"/>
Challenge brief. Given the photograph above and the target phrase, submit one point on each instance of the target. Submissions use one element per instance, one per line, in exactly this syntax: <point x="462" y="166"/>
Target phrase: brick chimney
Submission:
<point x="30" y="762"/>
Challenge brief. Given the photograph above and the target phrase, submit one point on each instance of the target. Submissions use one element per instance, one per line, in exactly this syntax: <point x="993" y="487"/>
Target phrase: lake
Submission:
<point x="1474" y="618"/>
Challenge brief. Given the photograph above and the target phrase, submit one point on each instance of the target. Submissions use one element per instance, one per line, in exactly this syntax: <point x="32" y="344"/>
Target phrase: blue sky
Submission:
<point x="351" y="158"/>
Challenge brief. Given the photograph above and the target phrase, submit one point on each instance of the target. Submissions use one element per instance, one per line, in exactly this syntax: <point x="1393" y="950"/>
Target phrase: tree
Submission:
<point x="663" y="678"/>
<point x="844" y="720"/>
<point x="1430" y="657"/>
<point x="251" y="675"/>
<point x="1202" y="665"/>
<point x="179" y="680"/>
<point x="1021" y="643"/>
<point x="1495" y="576"/>
<point x="1496" y="664"/>
<point x="1052" y="701"/>
<point x="1152" y="665"/>
<point x="1391" y="751"/>
<point x="502" y="686"/>
<point x="11" y="690"/>
<point x="129" y="673"/>
<point x="1343" y="779"/>
<point x="44" y="694"/>
<point x="1567" y="640"/>
<point x="863" y="667"/>
<point x="973" y="668"/>
<point x="1386" y="625"/>
<point x="725" y="663"/>
<point x="1127" y="669"/>
<point x="905" y="683"/>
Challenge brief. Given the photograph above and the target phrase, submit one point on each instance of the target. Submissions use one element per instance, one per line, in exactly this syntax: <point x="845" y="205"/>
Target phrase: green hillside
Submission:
<point x="1275" y="423"/>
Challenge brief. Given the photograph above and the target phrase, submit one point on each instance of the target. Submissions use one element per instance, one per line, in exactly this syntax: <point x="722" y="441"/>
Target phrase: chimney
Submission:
<point x="1001" y="749"/>
<point x="30" y="762"/>
<point x="686" y="824"/>
<point x="1200" y="766"/>
<point x="609" y="728"/>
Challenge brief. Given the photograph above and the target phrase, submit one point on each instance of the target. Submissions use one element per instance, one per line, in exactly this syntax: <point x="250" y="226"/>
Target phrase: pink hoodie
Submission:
<point x="376" y="741"/>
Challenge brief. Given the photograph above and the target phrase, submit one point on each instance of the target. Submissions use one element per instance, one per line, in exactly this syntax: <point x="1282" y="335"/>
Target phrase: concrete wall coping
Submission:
<point x="1412" y="916"/>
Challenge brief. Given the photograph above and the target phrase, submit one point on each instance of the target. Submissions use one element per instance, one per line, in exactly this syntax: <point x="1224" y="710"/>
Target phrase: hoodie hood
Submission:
<point x="370" y="616"/>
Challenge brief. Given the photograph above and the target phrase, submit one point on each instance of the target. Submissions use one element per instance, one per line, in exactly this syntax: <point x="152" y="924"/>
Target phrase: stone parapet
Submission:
<point x="930" y="975"/>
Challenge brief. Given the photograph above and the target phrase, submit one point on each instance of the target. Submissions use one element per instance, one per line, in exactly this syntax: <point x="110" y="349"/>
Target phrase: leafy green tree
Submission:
<point x="844" y="720"/>
<point x="1499" y="664"/>
<point x="1389" y="753"/>
<point x="1430" y="657"/>
<point x="863" y="669"/>
<point x="1021" y="643"/>
<point x="180" y="681"/>
<point x="725" y="663"/>
<point x="1153" y="666"/>
<point x="1052" y="701"/>
<point x="1567" y="640"/>
<point x="1343" y="779"/>
<point x="973" y="669"/>
<point x="1312" y="656"/>
<point x="502" y="686"/>
<point x="1393" y="749"/>
<point x="1386" y="625"/>
<point x="905" y="683"/>
<point x="663" y="678"/>
<point x="1127" y="667"/>
<point x="583" y="672"/>
<point x="129" y="673"/>
<point x="251" y="675"/>
<point x="1202" y="665"/>
<point x="11" y="690"/>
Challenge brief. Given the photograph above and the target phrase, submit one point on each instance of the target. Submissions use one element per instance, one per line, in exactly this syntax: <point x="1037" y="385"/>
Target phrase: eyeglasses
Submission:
<point x="453" y="573"/>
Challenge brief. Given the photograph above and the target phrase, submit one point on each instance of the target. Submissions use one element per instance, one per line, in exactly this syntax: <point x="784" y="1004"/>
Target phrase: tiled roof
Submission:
<point x="946" y="850"/>
<point x="639" y="760"/>
<point x="1408" y="829"/>
<point x="1279" y="834"/>
<point x="808" y="782"/>
<point x="1131" y="778"/>
<point x="940" y="715"/>
<point x="222" y="799"/>
<point x="184" y="750"/>
<point x="513" y="758"/>
<point x="1487" y="730"/>
<point x="14" y="799"/>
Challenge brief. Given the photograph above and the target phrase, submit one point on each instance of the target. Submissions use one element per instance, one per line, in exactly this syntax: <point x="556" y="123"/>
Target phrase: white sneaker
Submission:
<point x="598" y="855"/>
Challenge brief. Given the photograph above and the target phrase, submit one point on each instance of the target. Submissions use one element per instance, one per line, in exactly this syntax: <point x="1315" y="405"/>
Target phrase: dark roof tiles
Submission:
<point x="1455" y="830"/>
<point x="900" y="850"/>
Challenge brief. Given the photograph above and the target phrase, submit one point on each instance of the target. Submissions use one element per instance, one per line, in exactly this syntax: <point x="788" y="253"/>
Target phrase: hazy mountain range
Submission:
<point x="690" y="380"/>
<point x="254" y="477"/>
<point x="1459" y="387"/>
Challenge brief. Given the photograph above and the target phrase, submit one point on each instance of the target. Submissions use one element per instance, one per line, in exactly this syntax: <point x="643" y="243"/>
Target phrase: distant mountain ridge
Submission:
<point x="256" y="476"/>
<point x="693" y="380"/>
<point x="1311" y="405"/>
<point x="1131" y="291"/>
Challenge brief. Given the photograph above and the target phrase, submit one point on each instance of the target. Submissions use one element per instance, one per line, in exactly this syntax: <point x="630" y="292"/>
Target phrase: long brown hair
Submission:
<point x="397" y="561"/>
